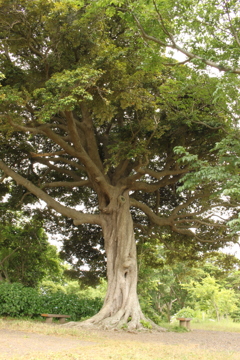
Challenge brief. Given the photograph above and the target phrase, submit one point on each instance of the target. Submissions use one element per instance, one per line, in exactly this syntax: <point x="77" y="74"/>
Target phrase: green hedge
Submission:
<point x="19" y="301"/>
<point x="60" y="303"/>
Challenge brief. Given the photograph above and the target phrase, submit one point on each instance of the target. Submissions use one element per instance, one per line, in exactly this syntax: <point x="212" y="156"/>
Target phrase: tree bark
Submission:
<point x="121" y="308"/>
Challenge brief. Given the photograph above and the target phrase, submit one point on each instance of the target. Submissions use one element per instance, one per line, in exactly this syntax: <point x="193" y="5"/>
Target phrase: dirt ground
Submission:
<point x="14" y="343"/>
<point x="210" y="340"/>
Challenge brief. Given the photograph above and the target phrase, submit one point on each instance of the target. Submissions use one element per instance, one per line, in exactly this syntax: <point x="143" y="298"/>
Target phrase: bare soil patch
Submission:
<point x="14" y="343"/>
<point x="202" y="339"/>
<point x="21" y="344"/>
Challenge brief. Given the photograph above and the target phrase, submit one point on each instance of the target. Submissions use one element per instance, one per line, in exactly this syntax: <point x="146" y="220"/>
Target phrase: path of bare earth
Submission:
<point x="15" y="343"/>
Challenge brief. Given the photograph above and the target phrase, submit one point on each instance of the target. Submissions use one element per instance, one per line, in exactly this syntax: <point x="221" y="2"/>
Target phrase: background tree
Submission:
<point x="90" y="120"/>
<point x="212" y="298"/>
<point x="162" y="273"/>
<point x="25" y="254"/>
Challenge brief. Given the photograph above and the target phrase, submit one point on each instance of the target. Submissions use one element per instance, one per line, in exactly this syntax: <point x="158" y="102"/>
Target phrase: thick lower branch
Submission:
<point x="151" y="187"/>
<point x="67" y="184"/>
<point x="58" y="169"/>
<point x="64" y="210"/>
<point x="151" y="215"/>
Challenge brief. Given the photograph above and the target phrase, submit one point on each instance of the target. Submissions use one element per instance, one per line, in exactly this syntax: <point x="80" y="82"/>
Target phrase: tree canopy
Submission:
<point x="205" y="32"/>
<point x="90" y="124"/>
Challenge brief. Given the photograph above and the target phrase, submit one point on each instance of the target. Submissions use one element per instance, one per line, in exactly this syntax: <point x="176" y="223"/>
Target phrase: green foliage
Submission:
<point x="224" y="174"/>
<point x="186" y="312"/>
<point x="64" y="90"/>
<point x="77" y="308"/>
<point x="25" y="254"/>
<point x="95" y="292"/>
<point x="162" y="295"/>
<point x="146" y="324"/>
<point x="88" y="109"/>
<point x="235" y="315"/>
<point x="74" y="287"/>
<point x="18" y="301"/>
<point x="83" y="246"/>
<point x="86" y="59"/>
<point x="178" y="329"/>
<point x="52" y="287"/>
<point x="152" y="314"/>
<point x="208" y="31"/>
<point x="209" y="296"/>
<point x="205" y="32"/>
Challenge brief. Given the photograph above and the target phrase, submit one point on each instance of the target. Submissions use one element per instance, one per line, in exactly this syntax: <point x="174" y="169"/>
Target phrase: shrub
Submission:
<point x="236" y="316"/>
<point x="153" y="315"/>
<point x="60" y="303"/>
<point x="18" y="301"/>
<point x="186" y="312"/>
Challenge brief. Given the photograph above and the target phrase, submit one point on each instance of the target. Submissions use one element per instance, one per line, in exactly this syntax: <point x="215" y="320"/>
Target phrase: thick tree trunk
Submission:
<point x="121" y="307"/>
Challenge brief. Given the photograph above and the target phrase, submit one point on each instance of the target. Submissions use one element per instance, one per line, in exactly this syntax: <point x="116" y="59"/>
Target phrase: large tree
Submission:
<point x="89" y="125"/>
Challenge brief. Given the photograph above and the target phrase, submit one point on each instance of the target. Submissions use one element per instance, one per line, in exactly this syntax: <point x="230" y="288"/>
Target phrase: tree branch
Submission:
<point x="73" y="132"/>
<point x="96" y="176"/>
<point x="234" y="33"/>
<point x="60" y="159"/>
<point x="144" y="186"/>
<point x="183" y="206"/>
<point x="94" y="173"/>
<point x="193" y="220"/>
<point x="35" y="130"/>
<point x="174" y="45"/>
<point x="151" y="215"/>
<point x="160" y="174"/>
<point x="8" y="256"/>
<point x="64" y="210"/>
<point x="60" y="170"/>
<point x="57" y="153"/>
<point x="68" y="184"/>
<point x="92" y="147"/>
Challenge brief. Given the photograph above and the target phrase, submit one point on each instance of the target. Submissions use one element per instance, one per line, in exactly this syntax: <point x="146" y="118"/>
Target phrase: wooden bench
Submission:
<point x="184" y="322"/>
<point x="49" y="317"/>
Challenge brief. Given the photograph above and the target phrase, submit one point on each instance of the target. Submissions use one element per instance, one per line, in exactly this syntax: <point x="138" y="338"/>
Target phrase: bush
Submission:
<point x="60" y="303"/>
<point x="151" y="314"/>
<point x="18" y="301"/>
<point x="186" y="312"/>
<point x="236" y="316"/>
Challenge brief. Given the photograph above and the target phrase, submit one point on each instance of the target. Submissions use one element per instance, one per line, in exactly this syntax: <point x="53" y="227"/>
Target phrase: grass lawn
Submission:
<point x="117" y="349"/>
<point x="224" y="325"/>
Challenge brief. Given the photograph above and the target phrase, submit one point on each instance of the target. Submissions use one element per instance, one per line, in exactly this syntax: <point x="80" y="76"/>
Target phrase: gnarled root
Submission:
<point x="121" y="320"/>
